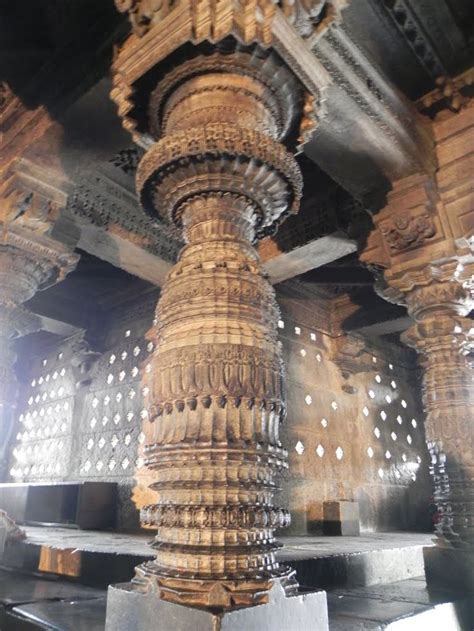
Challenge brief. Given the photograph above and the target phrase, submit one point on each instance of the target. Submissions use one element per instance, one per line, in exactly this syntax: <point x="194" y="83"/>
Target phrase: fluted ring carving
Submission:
<point x="216" y="157"/>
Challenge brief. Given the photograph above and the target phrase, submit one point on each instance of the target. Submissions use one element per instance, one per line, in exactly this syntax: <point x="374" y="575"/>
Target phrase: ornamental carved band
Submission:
<point x="220" y="173"/>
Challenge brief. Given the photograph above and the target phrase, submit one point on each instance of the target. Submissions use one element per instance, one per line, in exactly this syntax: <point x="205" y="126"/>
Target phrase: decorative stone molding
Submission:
<point x="311" y="17"/>
<point x="83" y="361"/>
<point x="350" y="354"/>
<point x="206" y="19"/>
<point x="451" y="93"/>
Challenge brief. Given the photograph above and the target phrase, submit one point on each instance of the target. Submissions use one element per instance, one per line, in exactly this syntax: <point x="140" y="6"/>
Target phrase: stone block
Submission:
<point x="449" y="567"/>
<point x="128" y="609"/>
<point x="341" y="518"/>
<point x="87" y="505"/>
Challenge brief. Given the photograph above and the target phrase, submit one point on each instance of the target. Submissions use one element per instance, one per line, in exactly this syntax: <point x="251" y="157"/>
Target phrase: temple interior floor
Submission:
<point x="374" y="581"/>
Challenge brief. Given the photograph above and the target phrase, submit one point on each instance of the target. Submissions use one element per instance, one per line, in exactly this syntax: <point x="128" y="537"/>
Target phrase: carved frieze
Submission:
<point x="105" y="204"/>
<point x="410" y="221"/>
<point x="404" y="17"/>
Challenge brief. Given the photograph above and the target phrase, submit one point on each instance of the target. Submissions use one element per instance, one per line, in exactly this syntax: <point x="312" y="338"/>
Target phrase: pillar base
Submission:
<point x="449" y="567"/>
<point x="128" y="609"/>
<point x="341" y="518"/>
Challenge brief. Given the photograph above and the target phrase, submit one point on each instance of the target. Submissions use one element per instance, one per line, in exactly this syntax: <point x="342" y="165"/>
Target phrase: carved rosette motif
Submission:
<point x="407" y="232"/>
<point x="219" y="172"/>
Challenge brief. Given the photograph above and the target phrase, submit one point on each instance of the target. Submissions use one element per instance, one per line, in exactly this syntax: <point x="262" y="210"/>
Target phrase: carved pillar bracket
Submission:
<point x="225" y="123"/>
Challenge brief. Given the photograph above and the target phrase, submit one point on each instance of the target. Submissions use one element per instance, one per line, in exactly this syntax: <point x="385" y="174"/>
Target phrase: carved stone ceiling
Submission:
<point x="414" y="41"/>
<point x="55" y="57"/>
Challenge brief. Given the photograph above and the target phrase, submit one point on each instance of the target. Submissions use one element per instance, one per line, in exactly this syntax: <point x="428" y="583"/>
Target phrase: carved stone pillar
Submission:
<point x="221" y="176"/>
<point x="424" y="243"/>
<point x="221" y="122"/>
<point x="29" y="261"/>
<point x="444" y="337"/>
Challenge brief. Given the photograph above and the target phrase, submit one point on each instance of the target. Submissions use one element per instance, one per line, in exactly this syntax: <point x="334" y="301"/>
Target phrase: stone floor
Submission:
<point x="29" y="603"/>
<point x="294" y="547"/>
<point x="320" y="562"/>
<point x="373" y="581"/>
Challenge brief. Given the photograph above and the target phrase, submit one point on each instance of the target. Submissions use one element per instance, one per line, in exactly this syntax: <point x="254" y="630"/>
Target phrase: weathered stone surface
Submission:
<point x="341" y="518"/>
<point x="450" y="568"/>
<point x="130" y="609"/>
<point x="66" y="615"/>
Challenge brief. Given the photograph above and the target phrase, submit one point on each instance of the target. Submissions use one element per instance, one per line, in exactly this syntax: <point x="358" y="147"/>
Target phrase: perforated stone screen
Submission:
<point x="366" y="446"/>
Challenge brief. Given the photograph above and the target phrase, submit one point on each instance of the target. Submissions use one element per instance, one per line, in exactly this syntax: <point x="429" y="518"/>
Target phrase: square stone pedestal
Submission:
<point x="129" y="609"/>
<point x="341" y="518"/>
<point x="452" y="568"/>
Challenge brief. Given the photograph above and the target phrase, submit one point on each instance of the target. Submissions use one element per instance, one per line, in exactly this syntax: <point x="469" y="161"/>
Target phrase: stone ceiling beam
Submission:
<point x="119" y="250"/>
<point x="392" y="325"/>
<point x="63" y="329"/>
<point x="367" y="134"/>
<point x="309" y="256"/>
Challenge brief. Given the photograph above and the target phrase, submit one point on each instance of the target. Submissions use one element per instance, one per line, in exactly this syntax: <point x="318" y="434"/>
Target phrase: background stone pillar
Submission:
<point x="423" y="242"/>
<point x="30" y="260"/>
<point x="444" y="338"/>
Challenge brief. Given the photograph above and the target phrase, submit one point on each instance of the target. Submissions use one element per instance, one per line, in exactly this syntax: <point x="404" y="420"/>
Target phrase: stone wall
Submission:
<point x="84" y="416"/>
<point x="357" y="438"/>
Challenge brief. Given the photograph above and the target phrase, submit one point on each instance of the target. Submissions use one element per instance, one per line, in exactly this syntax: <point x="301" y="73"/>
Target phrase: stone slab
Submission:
<point x="18" y="588"/>
<point x="443" y="617"/>
<point x="409" y="591"/>
<point x="321" y="562"/>
<point x="371" y="567"/>
<point x="128" y="609"/>
<point x="293" y="546"/>
<point x="84" y="615"/>
<point x="449" y="567"/>
<point x="400" y="606"/>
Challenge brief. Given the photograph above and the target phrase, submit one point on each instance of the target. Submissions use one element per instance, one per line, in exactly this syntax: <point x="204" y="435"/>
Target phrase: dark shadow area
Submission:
<point x="51" y="52"/>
